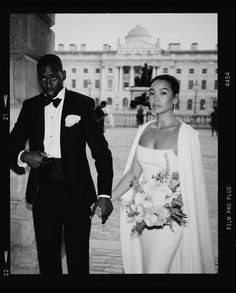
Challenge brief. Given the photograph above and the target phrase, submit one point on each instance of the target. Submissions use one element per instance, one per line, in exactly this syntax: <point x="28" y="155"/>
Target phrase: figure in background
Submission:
<point x="140" y="115"/>
<point x="214" y="121"/>
<point x="100" y="114"/>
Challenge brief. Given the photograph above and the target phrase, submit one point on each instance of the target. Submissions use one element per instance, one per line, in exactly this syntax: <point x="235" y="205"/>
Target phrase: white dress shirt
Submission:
<point x="52" y="145"/>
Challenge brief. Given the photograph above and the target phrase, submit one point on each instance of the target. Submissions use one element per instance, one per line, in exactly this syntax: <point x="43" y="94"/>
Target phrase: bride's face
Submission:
<point x="161" y="97"/>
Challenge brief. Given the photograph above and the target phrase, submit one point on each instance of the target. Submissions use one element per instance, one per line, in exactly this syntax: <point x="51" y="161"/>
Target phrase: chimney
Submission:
<point x="61" y="47"/>
<point x="73" y="47"/>
<point x="174" y="46"/>
<point x="157" y="43"/>
<point x="194" y="46"/>
<point x="105" y="47"/>
<point x="83" y="47"/>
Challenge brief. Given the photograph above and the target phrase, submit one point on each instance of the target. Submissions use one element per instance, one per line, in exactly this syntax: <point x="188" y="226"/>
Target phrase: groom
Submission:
<point x="58" y="124"/>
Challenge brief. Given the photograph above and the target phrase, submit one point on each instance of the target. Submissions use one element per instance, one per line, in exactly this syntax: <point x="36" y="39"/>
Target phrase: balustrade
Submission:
<point x="128" y="119"/>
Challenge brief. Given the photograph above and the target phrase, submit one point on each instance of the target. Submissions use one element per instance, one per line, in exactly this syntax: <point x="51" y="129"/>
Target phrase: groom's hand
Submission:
<point x="105" y="205"/>
<point x="35" y="159"/>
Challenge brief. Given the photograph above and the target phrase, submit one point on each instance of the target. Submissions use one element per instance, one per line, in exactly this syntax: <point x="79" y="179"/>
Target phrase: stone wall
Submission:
<point x="30" y="37"/>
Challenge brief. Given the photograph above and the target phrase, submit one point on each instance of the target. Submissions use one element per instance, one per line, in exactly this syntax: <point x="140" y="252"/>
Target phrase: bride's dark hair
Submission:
<point x="171" y="79"/>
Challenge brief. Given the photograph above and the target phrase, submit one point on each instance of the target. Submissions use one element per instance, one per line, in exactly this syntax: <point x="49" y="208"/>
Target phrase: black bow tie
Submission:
<point x="55" y="102"/>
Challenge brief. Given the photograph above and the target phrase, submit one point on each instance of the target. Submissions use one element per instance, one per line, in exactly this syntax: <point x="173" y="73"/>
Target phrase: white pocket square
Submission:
<point x="71" y="120"/>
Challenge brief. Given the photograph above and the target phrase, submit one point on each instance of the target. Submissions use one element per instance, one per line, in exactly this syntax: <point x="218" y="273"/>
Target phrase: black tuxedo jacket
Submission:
<point x="30" y="127"/>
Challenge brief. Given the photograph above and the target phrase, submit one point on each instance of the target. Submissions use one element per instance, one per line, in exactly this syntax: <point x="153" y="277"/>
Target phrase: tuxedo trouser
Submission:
<point x="54" y="211"/>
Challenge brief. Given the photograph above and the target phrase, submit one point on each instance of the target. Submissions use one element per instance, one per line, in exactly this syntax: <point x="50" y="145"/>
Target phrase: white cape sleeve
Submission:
<point x="197" y="254"/>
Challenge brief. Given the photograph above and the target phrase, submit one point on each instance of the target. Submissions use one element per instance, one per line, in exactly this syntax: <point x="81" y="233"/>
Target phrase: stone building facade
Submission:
<point x="30" y="37"/>
<point x="111" y="74"/>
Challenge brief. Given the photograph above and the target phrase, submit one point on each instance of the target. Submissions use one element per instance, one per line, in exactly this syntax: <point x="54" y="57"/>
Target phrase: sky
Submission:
<point x="95" y="29"/>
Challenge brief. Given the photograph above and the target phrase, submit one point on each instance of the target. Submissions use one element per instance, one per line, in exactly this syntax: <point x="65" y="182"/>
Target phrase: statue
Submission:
<point x="146" y="76"/>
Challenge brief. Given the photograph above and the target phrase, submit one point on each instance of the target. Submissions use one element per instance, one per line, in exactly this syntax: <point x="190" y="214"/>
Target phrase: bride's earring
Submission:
<point x="174" y="107"/>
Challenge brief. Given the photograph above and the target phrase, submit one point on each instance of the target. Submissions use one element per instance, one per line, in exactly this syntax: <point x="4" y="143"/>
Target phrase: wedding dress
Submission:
<point x="188" y="249"/>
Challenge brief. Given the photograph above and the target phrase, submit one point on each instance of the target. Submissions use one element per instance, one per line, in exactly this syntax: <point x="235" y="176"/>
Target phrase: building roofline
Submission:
<point x="84" y="52"/>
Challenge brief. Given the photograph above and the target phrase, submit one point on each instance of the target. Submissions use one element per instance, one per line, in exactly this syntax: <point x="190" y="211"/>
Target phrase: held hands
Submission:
<point x="103" y="207"/>
<point x="35" y="159"/>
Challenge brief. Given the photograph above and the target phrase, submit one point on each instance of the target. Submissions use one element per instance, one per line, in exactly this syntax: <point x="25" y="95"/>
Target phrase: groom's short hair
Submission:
<point x="49" y="60"/>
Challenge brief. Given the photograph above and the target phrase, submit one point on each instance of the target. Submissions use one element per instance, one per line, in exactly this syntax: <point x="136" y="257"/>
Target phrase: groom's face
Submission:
<point x="51" y="79"/>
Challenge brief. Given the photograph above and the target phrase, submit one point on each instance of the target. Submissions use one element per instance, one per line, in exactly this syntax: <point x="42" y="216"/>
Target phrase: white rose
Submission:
<point x="159" y="197"/>
<point x="71" y="120"/>
<point x="139" y="218"/>
<point x="139" y="198"/>
<point x="151" y="220"/>
<point x="164" y="213"/>
<point x="151" y="186"/>
<point x="140" y="209"/>
<point x="147" y="204"/>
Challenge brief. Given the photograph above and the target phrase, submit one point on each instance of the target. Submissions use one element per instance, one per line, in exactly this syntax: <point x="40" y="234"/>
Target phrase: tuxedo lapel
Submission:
<point x="66" y="110"/>
<point x="40" y="125"/>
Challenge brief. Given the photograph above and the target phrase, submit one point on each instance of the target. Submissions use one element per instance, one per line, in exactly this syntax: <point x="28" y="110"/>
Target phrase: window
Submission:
<point x="178" y="70"/>
<point x="216" y="85"/>
<point x="85" y="83"/>
<point x="165" y="70"/>
<point x="73" y="83"/>
<point x="126" y="84"/>
<point x="216" y="71"/>
<point x="125" y="103"/>
<point x="109" y="101"/>
<point x="203" y="86"/>
<point x="191" y="70"/>
<point x="190" y="84"/>
<point x="85" y="70"/>
<point x="126" y="70"/>
<point x="109" y="83"/>
<point x="204" y="70"/>
<point x="73" y="70"/>
<point x="202" y="104"/>
<point x="189" y="104"/>
<point x="97" y="70"/>
<point x="97" y="84"/>
<point x="110" y="70"/>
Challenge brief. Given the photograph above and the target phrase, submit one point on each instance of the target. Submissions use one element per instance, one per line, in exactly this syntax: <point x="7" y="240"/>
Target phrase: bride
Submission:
<point x="185" y="248"/>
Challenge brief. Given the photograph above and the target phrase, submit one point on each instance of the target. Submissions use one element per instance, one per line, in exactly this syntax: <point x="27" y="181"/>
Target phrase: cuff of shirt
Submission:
<point x="19" y="162"/>
<point x="104" y="195"/>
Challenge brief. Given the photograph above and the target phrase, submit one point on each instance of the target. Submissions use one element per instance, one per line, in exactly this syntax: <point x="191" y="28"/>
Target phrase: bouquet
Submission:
<point x="156" y="202"/>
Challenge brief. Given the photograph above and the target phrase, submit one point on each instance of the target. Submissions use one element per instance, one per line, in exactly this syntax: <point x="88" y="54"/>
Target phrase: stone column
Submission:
<point x="121" y="79"/>
<point x="153" y="71"/>
<point x="116" y="79"/>
<point x="30" y="37"/>
<point x="131" y="76"/>
<point x="103" y="81"/>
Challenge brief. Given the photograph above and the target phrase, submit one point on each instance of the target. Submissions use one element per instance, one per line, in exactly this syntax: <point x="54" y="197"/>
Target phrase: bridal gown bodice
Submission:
<point x="152" y="160"/>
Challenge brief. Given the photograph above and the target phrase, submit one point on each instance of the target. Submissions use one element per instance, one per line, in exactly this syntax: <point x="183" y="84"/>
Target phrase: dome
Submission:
<point x="138" y="32"/>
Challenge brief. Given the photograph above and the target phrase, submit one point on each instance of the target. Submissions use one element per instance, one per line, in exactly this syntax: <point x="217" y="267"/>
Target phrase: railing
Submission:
<point x="128" y="119"/>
